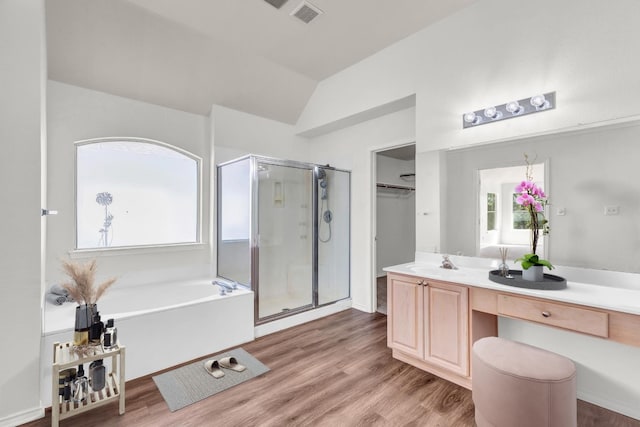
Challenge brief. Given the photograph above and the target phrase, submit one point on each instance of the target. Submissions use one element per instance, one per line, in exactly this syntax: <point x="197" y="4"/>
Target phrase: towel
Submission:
<point x="55" y="299"/>
<point x="58" y="290"/>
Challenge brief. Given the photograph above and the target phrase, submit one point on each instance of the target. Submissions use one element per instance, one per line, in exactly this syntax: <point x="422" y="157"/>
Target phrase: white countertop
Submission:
<point x="474" y="272"/>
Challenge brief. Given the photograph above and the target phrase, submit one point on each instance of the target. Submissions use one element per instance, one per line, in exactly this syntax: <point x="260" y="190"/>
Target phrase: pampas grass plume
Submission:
<point x="81" y="288"/>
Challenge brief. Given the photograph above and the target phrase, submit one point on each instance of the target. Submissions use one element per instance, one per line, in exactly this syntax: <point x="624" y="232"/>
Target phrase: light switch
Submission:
<point x="612" y="210"/>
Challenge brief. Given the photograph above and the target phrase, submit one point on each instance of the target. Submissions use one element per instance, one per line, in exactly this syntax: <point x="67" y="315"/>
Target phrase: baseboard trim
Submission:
<point x="612" y="405"/>
<point x="22" y="417"/>
<point x="366" y="309"/>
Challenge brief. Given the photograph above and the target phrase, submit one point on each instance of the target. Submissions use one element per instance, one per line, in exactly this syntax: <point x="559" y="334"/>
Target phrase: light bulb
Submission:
<point x="492" y="113"/>
<point x="540" y="102"/>
<point x="471" y="118"/>
<point x="513" y="107"/>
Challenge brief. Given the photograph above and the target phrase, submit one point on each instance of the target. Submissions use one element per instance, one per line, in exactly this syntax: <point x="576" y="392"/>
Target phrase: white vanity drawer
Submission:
<point x="562" y="316"/>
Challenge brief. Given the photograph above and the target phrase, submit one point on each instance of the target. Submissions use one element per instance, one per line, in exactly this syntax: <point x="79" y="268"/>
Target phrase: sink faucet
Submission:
<point x="447" y="263"/>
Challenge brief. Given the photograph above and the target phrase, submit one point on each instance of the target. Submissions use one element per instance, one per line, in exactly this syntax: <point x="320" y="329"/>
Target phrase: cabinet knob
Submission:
<point x="421" y="282"/>
<point x="546" y="314"/>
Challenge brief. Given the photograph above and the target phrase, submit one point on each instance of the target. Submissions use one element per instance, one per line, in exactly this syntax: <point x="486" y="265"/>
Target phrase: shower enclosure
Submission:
<point x="283" y="230"/>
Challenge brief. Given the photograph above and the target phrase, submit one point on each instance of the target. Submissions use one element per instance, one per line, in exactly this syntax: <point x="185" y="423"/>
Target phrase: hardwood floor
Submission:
<point x="335" y="371"/>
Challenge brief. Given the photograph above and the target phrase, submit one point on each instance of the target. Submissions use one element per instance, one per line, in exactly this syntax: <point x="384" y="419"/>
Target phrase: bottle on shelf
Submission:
<point x="80" y="386"/>
<point x="110" y="335"/>
<point x="96" y="328"/>
<point x="97" y="375"/>
<point x="65" y="383"/>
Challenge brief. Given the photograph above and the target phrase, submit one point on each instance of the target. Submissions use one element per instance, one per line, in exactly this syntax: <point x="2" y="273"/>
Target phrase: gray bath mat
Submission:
<point x="192" y="383"/>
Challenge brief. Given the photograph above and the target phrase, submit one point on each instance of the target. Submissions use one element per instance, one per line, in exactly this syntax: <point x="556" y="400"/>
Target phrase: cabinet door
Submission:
<point x="405" y="321"/>
<point x="447" y="326"/>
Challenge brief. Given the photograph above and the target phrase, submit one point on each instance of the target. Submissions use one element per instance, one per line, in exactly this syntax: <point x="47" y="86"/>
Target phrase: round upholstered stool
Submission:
<point x="517" y="385"/>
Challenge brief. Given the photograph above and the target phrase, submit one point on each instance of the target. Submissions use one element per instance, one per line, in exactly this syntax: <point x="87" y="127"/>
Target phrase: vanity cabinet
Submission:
<point x="405" y="323"/>
<point x="432" y="324"/>
<point x="428" y="325"/>
<point x="447" y="326"/>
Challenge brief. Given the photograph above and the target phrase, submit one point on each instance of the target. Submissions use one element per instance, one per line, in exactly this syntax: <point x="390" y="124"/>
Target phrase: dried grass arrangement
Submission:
<point x="82" y="288"/>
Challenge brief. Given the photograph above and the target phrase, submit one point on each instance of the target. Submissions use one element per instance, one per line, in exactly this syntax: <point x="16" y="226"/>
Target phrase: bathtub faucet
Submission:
<point x="224" y="288"/>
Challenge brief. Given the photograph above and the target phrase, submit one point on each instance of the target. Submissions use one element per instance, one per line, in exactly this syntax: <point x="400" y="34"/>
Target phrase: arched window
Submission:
<point x="135" y="192"/>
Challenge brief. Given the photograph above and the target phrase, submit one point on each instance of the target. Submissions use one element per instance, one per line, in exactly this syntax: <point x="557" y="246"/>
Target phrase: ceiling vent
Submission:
<point x="276" y="3"/>
<point x="306" y="12"/>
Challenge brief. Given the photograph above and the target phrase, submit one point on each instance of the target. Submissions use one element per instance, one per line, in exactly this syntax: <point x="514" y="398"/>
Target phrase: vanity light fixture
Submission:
<point x="472" y="119"/>
<point x="521" y="107"/>
<point x="513" y="107"/>
<point x="492" y="113"/>
<point x="540" y="102"/>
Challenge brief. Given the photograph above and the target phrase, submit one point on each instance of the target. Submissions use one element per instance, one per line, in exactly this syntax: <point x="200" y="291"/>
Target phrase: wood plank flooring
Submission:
<point x="335" y="371"/>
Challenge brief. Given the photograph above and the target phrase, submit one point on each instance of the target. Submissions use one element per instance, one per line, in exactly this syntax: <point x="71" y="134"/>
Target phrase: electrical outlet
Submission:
<point x="612" y="210"/>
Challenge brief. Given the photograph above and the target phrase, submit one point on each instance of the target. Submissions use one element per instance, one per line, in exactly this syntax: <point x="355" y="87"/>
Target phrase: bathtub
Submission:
<point x="160" y="324"/>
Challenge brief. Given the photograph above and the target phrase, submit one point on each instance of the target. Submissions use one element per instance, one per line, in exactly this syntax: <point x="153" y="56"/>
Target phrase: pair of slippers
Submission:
<point x="214" y="367"/>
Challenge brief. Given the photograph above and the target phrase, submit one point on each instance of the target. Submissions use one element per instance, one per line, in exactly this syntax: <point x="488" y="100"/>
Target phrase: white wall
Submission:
<point x="21" y="127"/>
<point x="386" y="79"/>
<point x="76" y="114"/>
<point x="351" y="149"/>
<point x="395" y="214"/>
<point x="584" y="50"/>
<point x="236" y="134"/>
<point x="431" y="193"/>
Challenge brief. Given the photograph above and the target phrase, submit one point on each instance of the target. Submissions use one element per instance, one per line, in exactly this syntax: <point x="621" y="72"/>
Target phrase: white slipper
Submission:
<point x="231" y="363"/>
<point x="213" y="367"/>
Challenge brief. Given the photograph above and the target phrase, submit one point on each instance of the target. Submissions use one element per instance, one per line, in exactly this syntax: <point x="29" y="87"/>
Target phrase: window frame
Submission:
<point x="161" y="247"/>
<point x="494" y="212"/>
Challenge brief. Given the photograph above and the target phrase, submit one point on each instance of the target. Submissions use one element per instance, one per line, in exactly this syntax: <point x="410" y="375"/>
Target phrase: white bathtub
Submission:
<point x="160" y="324"/>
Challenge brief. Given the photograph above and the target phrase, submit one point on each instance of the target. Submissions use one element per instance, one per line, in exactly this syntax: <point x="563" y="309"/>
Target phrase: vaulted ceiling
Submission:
<point x="242" y="54"/>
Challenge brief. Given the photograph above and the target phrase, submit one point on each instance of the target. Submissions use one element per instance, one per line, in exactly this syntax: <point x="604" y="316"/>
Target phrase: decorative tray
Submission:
<point x="550" y="282"/>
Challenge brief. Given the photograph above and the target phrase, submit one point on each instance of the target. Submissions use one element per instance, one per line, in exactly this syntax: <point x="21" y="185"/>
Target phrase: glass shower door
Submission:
<point x="333" y="188"/>
<point x="284" y="239"/>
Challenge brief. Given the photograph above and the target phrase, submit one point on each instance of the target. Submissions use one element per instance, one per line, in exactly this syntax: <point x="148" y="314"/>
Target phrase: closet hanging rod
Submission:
<point x="395" y="187"/>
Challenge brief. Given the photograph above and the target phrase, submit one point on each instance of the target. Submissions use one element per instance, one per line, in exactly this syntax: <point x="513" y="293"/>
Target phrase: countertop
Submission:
<point x="474" y="272"/>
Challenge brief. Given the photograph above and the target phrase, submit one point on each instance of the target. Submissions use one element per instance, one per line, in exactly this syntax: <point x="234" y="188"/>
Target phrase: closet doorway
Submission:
<point x="395" y="236"/>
